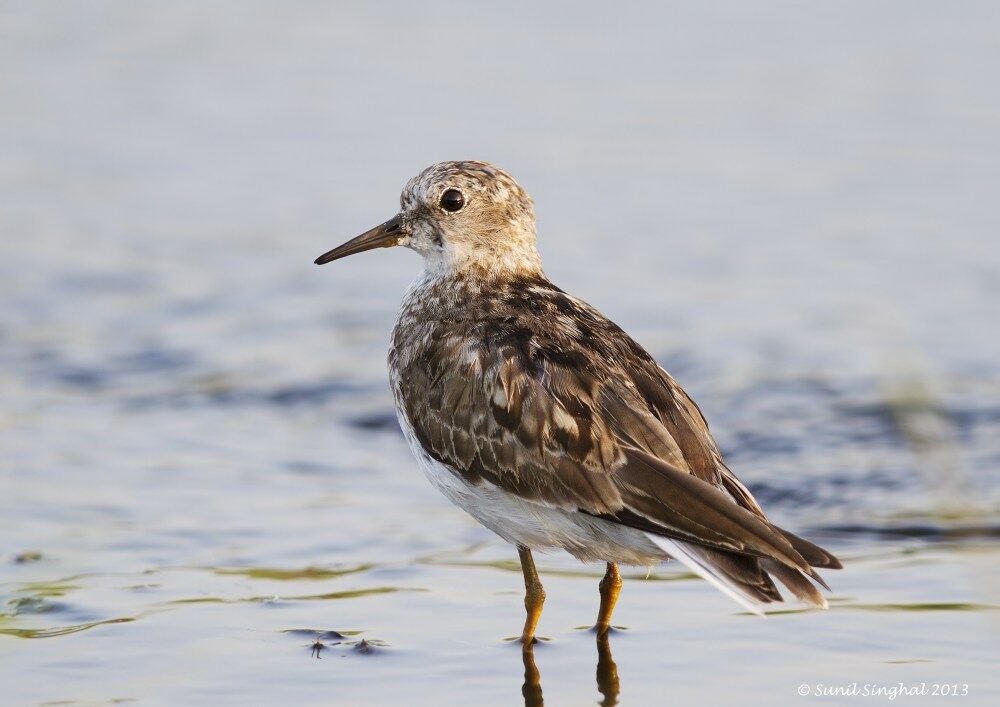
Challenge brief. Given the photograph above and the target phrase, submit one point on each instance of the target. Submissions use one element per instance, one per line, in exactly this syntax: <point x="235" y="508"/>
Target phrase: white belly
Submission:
<point x="533" y="525"/>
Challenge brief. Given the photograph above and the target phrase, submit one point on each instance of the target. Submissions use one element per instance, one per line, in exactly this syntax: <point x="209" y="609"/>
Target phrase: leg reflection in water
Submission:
<point x="607" y="675"/>
<point x="532" y="687"/>
<point x="607" y="672"/>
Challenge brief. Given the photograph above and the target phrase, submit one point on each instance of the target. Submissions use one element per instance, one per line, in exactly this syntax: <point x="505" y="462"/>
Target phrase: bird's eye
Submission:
<point x="452" y="200"/>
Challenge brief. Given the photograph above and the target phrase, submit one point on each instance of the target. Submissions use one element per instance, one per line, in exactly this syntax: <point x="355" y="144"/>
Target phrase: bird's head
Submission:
<point x="458" y="216"/>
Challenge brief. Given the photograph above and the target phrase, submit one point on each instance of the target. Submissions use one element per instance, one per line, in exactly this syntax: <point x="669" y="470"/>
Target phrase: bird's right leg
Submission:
<point x="610" y="586"/>
<point x="534" y="595"/>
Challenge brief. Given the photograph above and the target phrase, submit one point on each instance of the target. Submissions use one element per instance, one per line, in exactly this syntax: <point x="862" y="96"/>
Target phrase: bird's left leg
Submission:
<point x="534" y="595"/>
<point x="610" y="586"/>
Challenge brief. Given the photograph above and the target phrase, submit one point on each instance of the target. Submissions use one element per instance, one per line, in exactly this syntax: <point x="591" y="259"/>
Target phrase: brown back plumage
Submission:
<point x="515" y="383"/>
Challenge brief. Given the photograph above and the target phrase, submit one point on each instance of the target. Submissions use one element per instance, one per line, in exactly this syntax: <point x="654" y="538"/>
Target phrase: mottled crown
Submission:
<point x="478" y="177"/>
<point x="494" y="230"/>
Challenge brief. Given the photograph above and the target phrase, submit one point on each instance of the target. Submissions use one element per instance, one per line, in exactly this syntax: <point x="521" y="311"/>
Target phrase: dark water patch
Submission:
<point x="785" y="418"/>
<point x="82" y="377"/>
<point x="893" y="418"/>
<point x="755" y="443"/>
<point x="213" y="391"/>
<point x="927" y="532"/>
<point x="40" y="356"/>
<point x="748" y="442"/>
<point x="154" y="360"/>
<point x="830" y="490"/>
<point x="969" y="417"/>
<point x="308" y="393"/>
<point x="385" y="421"/>
<point x="874" y="479"/>
<point x="769" y="494"/>
<point x="877" y="412"/>
<point x="309" y="468"/>
<point x="806" y="390"/>
<point x="122" y="370"/>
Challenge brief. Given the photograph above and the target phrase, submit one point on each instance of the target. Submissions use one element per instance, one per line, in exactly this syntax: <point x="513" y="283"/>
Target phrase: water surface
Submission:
<point x="204" y="497"/>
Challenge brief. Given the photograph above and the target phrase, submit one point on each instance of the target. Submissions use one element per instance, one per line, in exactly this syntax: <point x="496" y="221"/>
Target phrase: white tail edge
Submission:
<point x="680" y="553"/>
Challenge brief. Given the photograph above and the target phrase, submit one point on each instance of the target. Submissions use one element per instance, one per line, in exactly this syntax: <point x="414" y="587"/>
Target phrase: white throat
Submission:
<point x="503" y="258"/>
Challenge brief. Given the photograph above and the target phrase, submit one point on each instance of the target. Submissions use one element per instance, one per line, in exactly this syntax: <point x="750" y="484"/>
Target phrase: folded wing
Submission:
<point x="578" y="416"/>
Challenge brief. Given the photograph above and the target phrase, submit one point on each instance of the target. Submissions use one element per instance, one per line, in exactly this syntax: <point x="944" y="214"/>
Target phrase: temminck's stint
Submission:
<point x="546" y="422"/>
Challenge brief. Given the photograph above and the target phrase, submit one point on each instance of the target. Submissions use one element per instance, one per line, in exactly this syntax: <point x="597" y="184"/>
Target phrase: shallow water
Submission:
<point x="201" y="475"/>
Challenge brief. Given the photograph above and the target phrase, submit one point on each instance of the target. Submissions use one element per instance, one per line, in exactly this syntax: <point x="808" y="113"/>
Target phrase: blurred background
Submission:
<point x="793" y="206"/>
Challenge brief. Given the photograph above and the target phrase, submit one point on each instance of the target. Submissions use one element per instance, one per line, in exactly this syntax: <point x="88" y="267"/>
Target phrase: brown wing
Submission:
<point x="565" y="409"/>
<point x="504" y="417"/>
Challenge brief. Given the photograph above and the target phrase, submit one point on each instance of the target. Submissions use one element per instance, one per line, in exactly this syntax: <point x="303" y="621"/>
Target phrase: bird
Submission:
<point x="547" y="423"/>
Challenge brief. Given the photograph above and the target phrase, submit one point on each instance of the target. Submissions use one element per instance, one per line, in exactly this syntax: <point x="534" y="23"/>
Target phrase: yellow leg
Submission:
<point x="534" y="595"/>
<point x="610" y="586"/>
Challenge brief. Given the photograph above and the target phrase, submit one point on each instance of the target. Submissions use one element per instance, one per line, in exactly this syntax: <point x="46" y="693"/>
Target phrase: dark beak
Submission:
<point x="384" y="236"/>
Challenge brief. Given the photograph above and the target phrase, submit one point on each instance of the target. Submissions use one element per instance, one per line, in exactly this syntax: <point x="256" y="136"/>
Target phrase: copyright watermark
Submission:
<point x="887" y="691"/>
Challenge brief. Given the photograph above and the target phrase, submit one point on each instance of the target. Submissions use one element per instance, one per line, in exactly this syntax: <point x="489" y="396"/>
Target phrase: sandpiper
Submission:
<point x="546" y="422"/>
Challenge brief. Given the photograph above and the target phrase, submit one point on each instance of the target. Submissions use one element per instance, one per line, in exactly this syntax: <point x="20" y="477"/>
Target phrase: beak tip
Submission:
<point x="382" y="236"/>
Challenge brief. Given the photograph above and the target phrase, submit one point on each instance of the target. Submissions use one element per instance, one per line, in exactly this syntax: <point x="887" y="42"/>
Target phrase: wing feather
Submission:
<point x="560" y="407"/>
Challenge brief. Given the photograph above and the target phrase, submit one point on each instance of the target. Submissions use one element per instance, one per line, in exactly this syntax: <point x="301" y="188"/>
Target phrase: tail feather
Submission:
<point x="814" y="575"/>
<point x="743" y="572"/>
<point x="796" y="583"/>
<point x="744" y="579"/>
<point x="813" y="554"/>
<point x="683" y="553"/>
